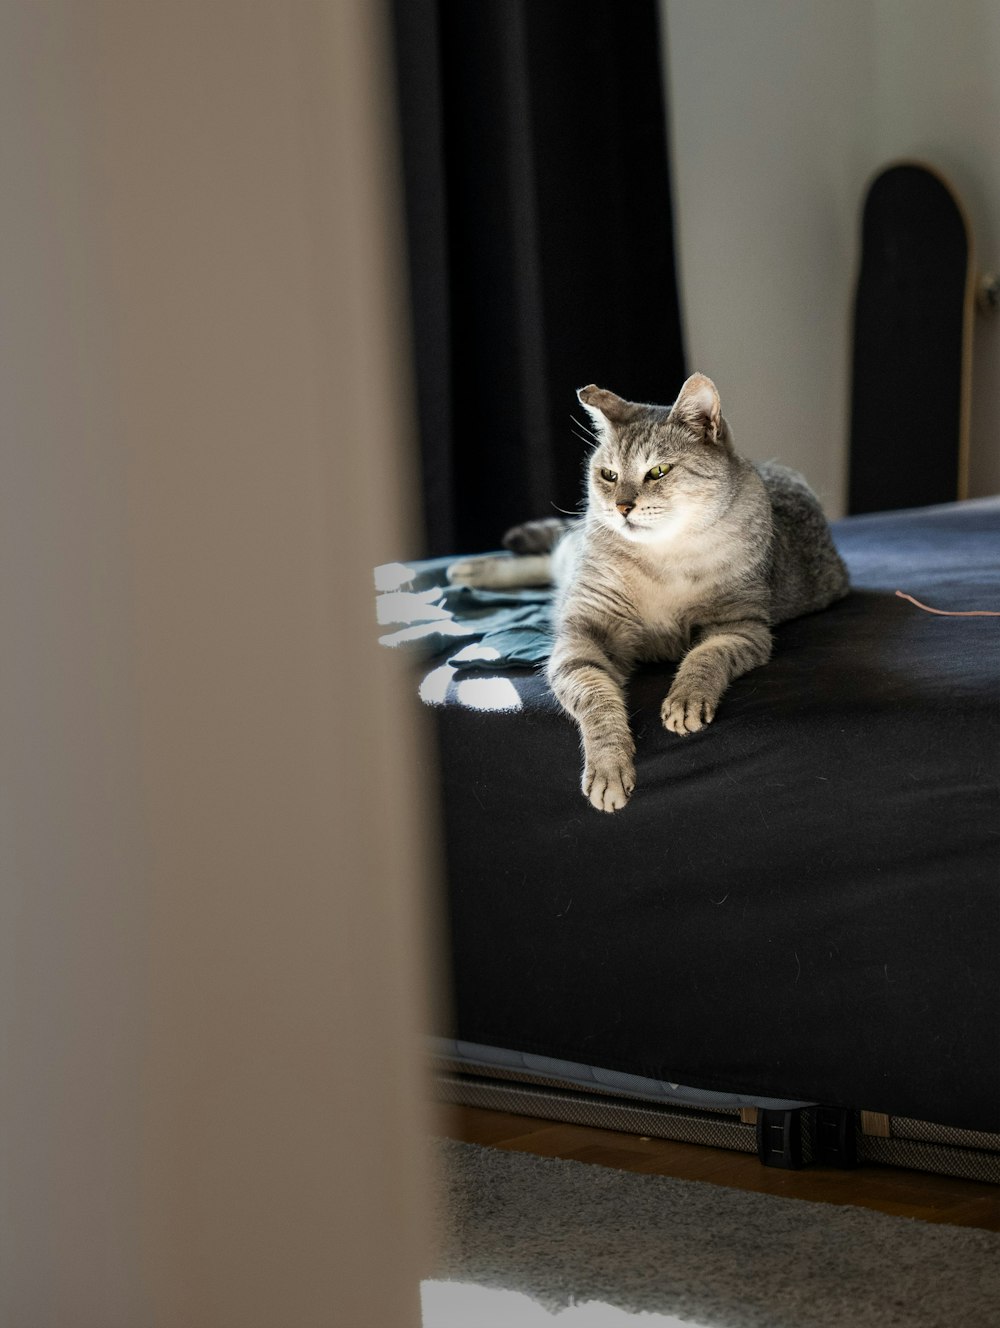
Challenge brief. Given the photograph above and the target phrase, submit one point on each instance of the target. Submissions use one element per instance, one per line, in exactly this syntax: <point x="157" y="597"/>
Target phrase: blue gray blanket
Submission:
<point x="473" y="629"/>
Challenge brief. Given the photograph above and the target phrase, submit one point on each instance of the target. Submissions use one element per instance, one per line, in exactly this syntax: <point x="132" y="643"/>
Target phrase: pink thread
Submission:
<point x="951" y="613"/>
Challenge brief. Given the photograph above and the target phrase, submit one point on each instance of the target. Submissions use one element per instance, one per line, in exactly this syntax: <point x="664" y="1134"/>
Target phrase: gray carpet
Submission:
<point x="570" y="1232"/>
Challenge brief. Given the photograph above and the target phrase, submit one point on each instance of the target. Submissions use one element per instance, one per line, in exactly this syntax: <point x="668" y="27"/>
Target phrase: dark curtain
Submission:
<point x="540" y="239"/>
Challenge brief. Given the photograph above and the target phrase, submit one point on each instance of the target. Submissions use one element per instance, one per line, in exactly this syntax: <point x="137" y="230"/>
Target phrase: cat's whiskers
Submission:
<point x="584" y="427"/>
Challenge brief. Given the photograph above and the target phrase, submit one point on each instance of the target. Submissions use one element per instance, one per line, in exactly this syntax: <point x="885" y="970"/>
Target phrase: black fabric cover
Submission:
<point x="803" y="899"/>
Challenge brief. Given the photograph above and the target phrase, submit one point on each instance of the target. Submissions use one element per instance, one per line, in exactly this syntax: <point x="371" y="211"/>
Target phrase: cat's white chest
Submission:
<point x="677" y="578"/>
<point x="671" y="596"/>
<point x="658" y="597"/>
<point x="667" y="600"/>
<point x="664" y="615"/>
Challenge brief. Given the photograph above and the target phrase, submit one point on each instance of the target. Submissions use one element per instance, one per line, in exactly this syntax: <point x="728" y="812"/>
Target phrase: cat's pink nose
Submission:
<point x="624" y="508"/>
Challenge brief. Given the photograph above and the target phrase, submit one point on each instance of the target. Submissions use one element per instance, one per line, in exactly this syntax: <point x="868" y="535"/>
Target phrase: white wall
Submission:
<point x="781" y="110"/>
<point x="211" y="863"/>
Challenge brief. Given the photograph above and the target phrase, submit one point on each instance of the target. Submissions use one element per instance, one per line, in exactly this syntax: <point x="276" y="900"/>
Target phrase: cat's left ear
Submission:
<point x="698" y="408"/>
<point x="605" y="407"/>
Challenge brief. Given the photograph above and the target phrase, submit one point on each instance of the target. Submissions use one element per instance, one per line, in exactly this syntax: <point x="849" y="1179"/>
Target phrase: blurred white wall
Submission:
<point x="781" y="110"/>
<point x="213" y="972"/>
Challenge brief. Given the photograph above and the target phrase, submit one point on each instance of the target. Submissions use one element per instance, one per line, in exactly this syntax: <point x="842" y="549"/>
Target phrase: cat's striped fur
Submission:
<point x="687" y="552"/>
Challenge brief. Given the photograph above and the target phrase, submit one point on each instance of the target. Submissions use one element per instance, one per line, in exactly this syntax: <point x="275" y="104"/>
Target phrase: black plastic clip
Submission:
<point x="779" y="1138"/>
<point x="835" y="1142"/>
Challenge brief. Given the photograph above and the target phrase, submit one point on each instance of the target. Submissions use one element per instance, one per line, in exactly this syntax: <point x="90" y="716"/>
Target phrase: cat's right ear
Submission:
<point x="697" y="407"/>
<point x="605" y="407"/>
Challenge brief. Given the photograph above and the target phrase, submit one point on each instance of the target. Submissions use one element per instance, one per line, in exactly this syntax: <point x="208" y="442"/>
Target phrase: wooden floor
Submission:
<point x="887" y="1189"/>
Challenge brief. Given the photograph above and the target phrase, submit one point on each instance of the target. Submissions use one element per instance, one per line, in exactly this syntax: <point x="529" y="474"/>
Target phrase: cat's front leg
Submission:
<point x="723" y="652"/>
<point x="590" y="687"/>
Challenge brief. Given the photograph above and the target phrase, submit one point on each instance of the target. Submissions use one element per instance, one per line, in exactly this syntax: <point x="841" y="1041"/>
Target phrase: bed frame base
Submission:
<point x="801" y="1137"/>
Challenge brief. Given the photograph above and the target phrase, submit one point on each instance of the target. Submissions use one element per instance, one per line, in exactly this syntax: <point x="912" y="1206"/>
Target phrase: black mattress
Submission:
<point x="803" y="899"/>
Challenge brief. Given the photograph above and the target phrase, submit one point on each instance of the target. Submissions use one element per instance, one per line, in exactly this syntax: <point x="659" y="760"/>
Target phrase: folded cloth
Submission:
<point x="505" y="628"/>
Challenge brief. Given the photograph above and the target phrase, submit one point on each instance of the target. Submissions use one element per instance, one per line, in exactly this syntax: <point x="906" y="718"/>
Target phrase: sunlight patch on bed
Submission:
<point x="476" y="651"/>
<point x="488" y="694"/>
<point x="473" y="693"/>
<point x="393" y="576"/>
<point x="434" y="688"/>
<point x="439" y="627"/>
<point x="407" y="606"/>
<point x="459" y="1304"/>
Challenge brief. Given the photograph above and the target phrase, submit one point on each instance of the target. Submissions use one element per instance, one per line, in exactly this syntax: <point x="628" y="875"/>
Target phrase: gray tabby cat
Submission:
<point x="687" y="552"/>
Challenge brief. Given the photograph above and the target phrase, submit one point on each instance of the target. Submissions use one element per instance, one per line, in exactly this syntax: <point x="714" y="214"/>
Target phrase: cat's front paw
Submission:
<point x="686" y="712"/>
<point x="608" y="781"/>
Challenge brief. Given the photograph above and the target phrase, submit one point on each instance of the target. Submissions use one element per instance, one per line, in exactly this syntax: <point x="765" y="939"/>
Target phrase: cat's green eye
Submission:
<point x="609" y="475"/>
<point x="657" y="473"/>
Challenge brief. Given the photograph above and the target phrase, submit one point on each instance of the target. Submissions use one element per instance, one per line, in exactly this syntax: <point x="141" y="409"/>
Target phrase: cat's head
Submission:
<point x="656" y="469"/>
